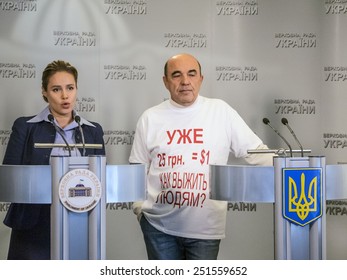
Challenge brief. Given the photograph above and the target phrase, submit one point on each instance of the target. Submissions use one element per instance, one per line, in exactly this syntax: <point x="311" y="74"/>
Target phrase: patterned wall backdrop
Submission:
<point x="266" y="58"/>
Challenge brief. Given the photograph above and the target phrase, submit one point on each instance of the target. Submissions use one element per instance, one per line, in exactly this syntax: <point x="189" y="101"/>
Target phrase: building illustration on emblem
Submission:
<point x="80" y="190"/>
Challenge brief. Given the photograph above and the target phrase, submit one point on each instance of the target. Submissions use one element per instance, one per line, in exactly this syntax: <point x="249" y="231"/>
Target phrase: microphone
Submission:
<point x="285" y="122"/>
<point x="78" y="120"/>
<point x="57" y="129"/>
<point x="267" y="122"/>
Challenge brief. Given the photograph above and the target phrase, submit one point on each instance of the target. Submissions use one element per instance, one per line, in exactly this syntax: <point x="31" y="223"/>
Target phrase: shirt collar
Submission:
<point x="176" y="105"/>
<point x="43" y="116"/>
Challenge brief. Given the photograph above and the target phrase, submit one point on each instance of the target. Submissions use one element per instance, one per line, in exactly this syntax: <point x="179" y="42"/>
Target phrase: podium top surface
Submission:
<point x="245" y="183"/>
<point x="125" y="183"/>
<point x="26" y="183"/>
<point x="242" y="183"/>
<point x="33" y="183"/>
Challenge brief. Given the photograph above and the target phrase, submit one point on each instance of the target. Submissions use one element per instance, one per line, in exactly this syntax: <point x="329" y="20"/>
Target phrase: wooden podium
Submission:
<point x="78" y="219"/>
<point x="294" y="240"/>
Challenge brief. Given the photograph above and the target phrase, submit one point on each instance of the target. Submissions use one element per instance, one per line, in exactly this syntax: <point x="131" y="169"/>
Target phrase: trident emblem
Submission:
<point x="302" y="195"/>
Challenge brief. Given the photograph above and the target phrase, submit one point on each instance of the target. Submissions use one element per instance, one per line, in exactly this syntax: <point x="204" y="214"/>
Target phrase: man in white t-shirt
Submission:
<point x="177" y="140"/>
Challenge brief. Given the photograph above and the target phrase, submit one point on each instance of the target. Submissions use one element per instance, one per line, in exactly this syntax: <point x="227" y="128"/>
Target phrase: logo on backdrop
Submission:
<point x="74" y="39"/>
<point x="85" y="104"/>
<point x="4" y="136"/>
<point x="19" y="6"/>
<point x="185" y="40"/>
<point x="236" y="74"/>
<point x="335" y="140"/>
<point x="125" y="7"/>
<point x="302" y="195"/>
<point x="125" y="72"/>
<point x="237" y="8"/>
<point x="335" y="7"/>
<point x="118" y="137"/>
<point x="335" y="74"/>
<point x="17" y="70"/>
<point x="295" y="106"/>
<point x="295" y="40"/>
<point x="79" y="190"/>
<point x="242" y="207"/>
<point x="336" y="208"/>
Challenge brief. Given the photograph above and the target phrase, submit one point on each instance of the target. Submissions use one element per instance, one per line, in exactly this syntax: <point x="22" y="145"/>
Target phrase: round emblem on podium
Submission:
<point x="79" y="190"/>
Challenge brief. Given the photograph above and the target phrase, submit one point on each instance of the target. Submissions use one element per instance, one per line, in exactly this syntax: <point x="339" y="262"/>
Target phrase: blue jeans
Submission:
<point x="162" y="246"/>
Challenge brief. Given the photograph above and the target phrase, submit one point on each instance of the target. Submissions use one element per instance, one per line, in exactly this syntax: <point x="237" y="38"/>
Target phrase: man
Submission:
<point x="177" y="140"/>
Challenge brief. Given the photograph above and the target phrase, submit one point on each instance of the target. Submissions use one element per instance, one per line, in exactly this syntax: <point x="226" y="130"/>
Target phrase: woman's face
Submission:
<point x="61" y="94"/>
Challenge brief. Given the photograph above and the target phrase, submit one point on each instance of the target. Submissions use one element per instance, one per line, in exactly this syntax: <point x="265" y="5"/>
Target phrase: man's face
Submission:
<point x="183" y="79"/>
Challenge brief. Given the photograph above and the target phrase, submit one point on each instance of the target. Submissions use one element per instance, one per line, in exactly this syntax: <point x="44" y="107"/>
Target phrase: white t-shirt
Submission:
<point x="177" y="144"/>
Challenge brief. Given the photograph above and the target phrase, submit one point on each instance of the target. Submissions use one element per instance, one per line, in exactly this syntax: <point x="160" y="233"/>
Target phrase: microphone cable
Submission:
<point x="57" y="129"/>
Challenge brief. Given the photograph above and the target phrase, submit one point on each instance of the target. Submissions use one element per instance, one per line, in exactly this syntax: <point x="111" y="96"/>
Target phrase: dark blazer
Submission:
<point x="21" y="151"/>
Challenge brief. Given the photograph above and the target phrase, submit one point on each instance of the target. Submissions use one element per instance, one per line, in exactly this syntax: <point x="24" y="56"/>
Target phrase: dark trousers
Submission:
<point x="33" y="243"/>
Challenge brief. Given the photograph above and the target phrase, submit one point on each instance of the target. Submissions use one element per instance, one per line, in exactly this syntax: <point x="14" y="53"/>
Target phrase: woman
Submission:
<point x="30" y="223"/>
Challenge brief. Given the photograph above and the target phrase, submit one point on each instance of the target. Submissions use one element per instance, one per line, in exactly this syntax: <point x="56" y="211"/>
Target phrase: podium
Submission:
<point x="78" y="189"/>
<point x="294" y="240"/>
